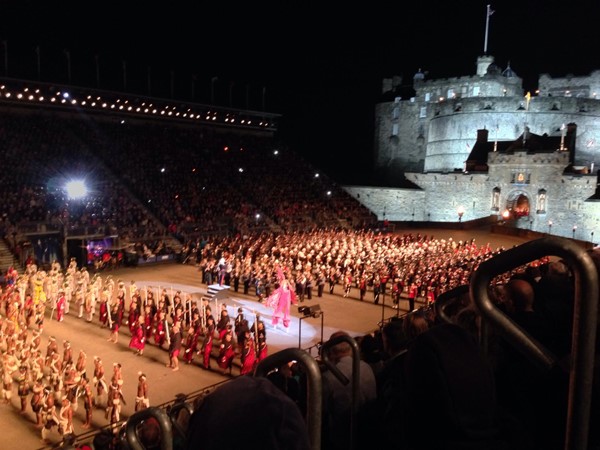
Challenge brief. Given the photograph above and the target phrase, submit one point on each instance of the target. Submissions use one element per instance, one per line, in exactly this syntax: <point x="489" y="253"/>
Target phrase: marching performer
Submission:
<point x="49" y="417"/>
<point x="159" y="328"/>
<point x="207" y="345"/>
<point x="115" y="323"/>
<point x="104" y="308"/>
<point x="67" y="353"/>
<point x="60" y="305"/>
<point x="133" y="290"/>
<point x="174" y="347"/>
<point x="8" y="368"/>
<point x="115" y="397"/>
<point x="68" y="293"/>
<point x="134" y="312"/>
<point x="260" y="337"/>
<point x="23" y="386"/>
<point x="248" y="354"/>
<point x="37" y="400"/>
<point x="71" y="384"/>
<point x="148" y="322"/>
<point x="121" y="305"/>
<point x="88" y="404"/>
<point x="191" y="343"/>
<point x="138" y="337"/>
<point x="90" y="303"/>
<point x="80" y="365"/>
<point x="226" y="353"/>
<point x="65" y="418"/>
<point x="37" y="366"/>
<point x="80" y="293"/>
<point x="99" y="381"/>
<point x="141" y="399"/>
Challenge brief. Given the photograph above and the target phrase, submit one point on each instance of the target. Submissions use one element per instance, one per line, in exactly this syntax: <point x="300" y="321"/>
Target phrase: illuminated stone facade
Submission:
<point x="463" y="143"/>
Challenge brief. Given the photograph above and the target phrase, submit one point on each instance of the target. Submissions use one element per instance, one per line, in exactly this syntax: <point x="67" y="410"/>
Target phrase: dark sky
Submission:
<point x="322" y="66"/>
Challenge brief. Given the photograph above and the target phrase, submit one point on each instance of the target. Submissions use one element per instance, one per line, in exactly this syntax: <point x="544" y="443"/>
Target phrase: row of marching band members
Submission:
<point x="53" y="385"/>
<point x="36" y="290"/>
<point x="186" y="328"/>
<point x="52" y="382"/>
<point x="148" y="320"/>
<point x="202" y="335"/>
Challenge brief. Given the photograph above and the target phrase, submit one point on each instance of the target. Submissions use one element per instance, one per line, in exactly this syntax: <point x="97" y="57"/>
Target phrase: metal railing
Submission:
<point x="585" y="317"/>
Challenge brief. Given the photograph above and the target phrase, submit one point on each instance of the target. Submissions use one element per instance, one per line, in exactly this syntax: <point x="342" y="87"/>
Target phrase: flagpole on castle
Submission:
<point x="487" y="27"/>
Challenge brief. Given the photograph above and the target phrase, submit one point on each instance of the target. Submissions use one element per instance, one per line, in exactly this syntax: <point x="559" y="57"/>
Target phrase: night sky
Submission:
<point x="320" y="66"/>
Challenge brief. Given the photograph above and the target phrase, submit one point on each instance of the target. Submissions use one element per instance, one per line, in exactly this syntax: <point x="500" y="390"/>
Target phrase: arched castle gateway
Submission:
<point x="482" y="145"/>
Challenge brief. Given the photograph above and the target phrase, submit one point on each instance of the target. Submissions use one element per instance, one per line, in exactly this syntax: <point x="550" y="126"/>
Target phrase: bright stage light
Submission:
<point x="76" y="189"/>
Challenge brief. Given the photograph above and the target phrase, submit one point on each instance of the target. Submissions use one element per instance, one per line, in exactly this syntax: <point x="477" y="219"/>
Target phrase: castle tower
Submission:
<point x="483" y="62"/>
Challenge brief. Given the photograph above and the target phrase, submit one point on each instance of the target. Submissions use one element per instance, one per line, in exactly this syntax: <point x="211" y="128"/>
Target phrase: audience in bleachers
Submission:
<point x="149" y="180"/>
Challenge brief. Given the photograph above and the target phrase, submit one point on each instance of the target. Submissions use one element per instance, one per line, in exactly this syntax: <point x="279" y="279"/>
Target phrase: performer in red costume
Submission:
<point x="248" y="356"/>
<point x="138" y="338"/>
<point x="159" y="328"/>
<point x="191" y="342"/>
<point x="60" y="306"/>
<point x="207" y="345"/>
<point x="226" y="353"/>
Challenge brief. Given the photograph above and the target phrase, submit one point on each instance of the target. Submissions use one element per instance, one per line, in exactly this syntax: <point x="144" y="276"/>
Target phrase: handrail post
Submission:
<point x="585" y="317"/>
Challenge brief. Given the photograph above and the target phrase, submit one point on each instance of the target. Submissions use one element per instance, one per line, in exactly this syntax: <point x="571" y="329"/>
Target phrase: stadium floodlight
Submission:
<point x="76" y="189"/>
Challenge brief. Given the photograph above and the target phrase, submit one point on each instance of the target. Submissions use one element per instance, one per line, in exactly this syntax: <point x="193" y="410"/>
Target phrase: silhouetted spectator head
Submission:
<point x="341" y="349"/>
<point x="247" y="412"/>
<point x="394" y="337"/>
<point x="521" y="293"/>
<point x="469" y="319"/>
<point x="149" y="433"/>
<point x="450" y="389"/>
<point x="370" y="349"/>
<point x="415" y="324"/>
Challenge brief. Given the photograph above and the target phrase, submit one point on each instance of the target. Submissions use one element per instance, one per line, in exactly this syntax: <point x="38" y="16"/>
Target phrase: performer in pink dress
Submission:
<point x="281" y="299"/>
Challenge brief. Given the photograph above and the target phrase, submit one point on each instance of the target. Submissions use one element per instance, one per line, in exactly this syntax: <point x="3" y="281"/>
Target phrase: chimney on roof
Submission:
<point x="482" y="135"/>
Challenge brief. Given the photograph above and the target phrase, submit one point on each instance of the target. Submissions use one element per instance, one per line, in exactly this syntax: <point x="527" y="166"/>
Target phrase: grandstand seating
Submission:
<point x="155" y="179"/>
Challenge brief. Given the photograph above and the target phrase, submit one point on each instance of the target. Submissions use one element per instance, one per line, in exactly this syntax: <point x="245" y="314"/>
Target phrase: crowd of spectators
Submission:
<point x="149" y="181"/>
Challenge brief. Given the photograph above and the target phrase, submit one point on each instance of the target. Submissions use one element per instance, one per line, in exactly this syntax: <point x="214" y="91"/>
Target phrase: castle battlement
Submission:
<point x="430" y="137"/>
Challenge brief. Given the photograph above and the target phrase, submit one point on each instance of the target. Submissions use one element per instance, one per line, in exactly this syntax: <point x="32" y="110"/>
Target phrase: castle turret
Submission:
<point x="483" y="63"/>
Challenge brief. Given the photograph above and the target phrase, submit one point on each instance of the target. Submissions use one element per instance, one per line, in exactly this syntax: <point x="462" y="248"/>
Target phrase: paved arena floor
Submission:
<point x="349" y="314"/>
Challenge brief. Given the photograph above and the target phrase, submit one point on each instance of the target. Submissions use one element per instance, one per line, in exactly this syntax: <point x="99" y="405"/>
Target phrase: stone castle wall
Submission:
<point x="429" y="138"/>
<point x="443" y="140"/>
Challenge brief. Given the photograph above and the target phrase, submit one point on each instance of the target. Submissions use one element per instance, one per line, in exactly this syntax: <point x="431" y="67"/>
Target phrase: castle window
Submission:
<point x="427" y="96"/>
<point x="451" y="93"/>
<point x="423" y="112"/>
<point x="395" y="113"/>
<point x="395" y="129"/>
<point x="520" y="177"/>
<point x="496" y="199"/>
<point x="541" y="202"/>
